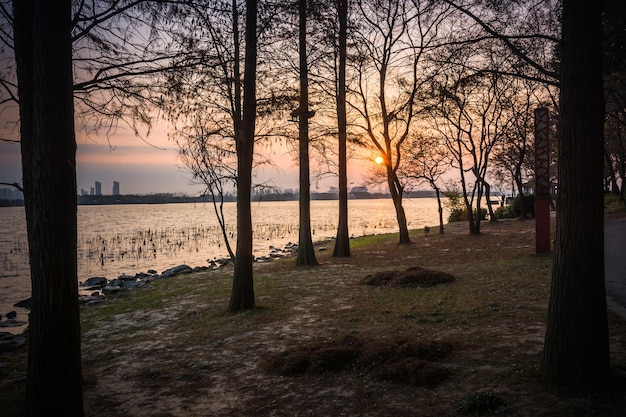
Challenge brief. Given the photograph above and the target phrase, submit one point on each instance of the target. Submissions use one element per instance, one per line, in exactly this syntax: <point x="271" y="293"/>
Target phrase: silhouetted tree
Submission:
<point x="511" y="156"/>
<point x="427" y="161"/>
<point x="576" y="351"/>
<point x="306" y="251"/>
<point x="342" y="242"/>
<point x="242" y="295"/>
<point x="43" y="52"/>
<point x="470" y="118"/>
<point x="393" y="37"/>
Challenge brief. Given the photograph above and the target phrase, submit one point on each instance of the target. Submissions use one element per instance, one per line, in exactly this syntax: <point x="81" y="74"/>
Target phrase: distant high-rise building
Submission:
<point x="98" y="188"/>
<point x="92" y="191"/>
<point x="116" y="188"/>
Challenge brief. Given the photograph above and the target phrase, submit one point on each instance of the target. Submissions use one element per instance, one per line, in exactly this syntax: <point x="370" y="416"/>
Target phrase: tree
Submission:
<point x="125" y="53"/>
<point x="576" y="350"/>
<point x="342" y="242"/>
<point x="393" y="38"/>
<point x="208" y="124"/>
<point x="306" y="252"/>
<point x="212" y="165"/>
<point x="213" y="107"/>
<point x="242" y="295"/>
<point x="43" y="52"/>
<point x="427" y="161"/>
<point x="512" y="156"/>
<point x="469" y="118"/>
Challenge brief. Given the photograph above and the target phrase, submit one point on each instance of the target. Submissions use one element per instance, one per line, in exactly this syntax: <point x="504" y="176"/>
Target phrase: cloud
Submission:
<point x="91" y="153"/>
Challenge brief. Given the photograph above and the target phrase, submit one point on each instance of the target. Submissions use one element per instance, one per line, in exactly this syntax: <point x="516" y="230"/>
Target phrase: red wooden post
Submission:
<point x="542" y="182"/>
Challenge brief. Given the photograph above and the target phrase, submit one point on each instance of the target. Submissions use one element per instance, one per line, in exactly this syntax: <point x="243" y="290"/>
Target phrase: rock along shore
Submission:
<point x="96" y="290"/>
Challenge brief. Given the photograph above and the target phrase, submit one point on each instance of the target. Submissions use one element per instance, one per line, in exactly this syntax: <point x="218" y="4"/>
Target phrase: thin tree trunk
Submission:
<point x="306" y="252"/>
<point x="242" y="295"/>
<point x="439" y="209"/>
<point x="43" y="52"/>
<point x="520" y="188"/>
<point x="576" y="351"/>
<point x="492" y="215"/>
<point x="611" y="171"/>
<point x="622" y="164"/>
<point x="396" y="196"/>
<point x="342" y="243"/>
<point x="474" y="226"/>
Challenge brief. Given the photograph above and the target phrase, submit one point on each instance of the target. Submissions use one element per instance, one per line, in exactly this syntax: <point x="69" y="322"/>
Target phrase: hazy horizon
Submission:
<point x="152" y="166"/>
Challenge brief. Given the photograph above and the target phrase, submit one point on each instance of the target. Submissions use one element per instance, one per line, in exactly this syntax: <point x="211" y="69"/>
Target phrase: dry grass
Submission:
<point x="320" y="343"/>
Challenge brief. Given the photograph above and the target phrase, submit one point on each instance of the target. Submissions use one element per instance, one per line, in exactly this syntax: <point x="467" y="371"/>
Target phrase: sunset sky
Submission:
<point x="151" y="166"/>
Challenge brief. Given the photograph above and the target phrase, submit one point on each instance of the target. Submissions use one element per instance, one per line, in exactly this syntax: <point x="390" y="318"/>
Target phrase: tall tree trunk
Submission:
<point x="306" y="252"/>
<point x="576" y="351"/>
<point x="43" y="53"/>
<point x="242" y="295"/>
<point x="396" y="191"/>
<point x="342" y="243"/>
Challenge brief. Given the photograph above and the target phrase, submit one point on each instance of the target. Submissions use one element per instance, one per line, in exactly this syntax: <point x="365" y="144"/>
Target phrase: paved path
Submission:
<point x="615" y="264"/>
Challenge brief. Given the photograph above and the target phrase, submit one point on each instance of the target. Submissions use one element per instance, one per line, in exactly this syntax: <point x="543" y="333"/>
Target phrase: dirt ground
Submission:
<point x="321" y="343"/>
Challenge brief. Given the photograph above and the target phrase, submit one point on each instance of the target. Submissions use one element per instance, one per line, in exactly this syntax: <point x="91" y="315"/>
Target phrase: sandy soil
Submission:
<point x="172" y="349"/>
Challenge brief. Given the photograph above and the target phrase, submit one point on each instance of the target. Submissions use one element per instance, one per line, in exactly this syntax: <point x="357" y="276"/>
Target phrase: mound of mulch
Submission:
<point x="413" y="277"/>
<point x="399" y="360"/>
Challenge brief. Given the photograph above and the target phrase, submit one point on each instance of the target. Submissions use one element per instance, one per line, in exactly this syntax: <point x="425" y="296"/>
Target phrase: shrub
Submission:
<point x="505" y="212"/>
<point x="613" y="203"/>
<point x="459" y="215"/>
<point x="529" y="204"/>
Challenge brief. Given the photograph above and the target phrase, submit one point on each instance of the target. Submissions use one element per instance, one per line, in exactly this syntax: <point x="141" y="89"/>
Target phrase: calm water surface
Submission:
<point x="125" y="239"/>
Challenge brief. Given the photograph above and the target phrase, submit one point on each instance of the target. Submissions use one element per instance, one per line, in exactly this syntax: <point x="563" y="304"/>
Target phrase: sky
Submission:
<point x="151" y="166"/>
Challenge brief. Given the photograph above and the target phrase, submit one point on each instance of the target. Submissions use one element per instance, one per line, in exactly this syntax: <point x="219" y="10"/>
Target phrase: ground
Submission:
<point x="171" y="349"/>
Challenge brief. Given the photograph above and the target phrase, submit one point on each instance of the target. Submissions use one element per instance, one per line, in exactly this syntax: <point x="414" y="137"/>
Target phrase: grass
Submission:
<point x="171" y="348"/>
<point x="613" y="205"/>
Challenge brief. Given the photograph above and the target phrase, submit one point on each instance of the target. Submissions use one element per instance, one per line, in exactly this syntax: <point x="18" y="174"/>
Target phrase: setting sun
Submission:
<point x="379" y="160"/>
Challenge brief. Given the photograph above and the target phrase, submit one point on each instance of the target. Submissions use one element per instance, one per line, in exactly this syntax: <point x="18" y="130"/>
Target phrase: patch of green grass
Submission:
<point x="372" y="240"/>
<point x="612" y="204"/>
<point x="481" y="403"/>
<point x="390" y="238"/>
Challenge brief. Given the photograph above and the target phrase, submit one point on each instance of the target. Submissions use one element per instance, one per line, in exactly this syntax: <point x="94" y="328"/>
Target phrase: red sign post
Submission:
<point x="542" y="182"/>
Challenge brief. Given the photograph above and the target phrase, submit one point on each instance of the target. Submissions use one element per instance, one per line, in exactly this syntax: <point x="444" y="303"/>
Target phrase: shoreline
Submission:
<point x="97" y="289"/>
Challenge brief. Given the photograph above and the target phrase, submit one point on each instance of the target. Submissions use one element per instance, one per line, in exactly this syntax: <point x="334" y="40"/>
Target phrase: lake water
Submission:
<point x="125" y="239"/>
